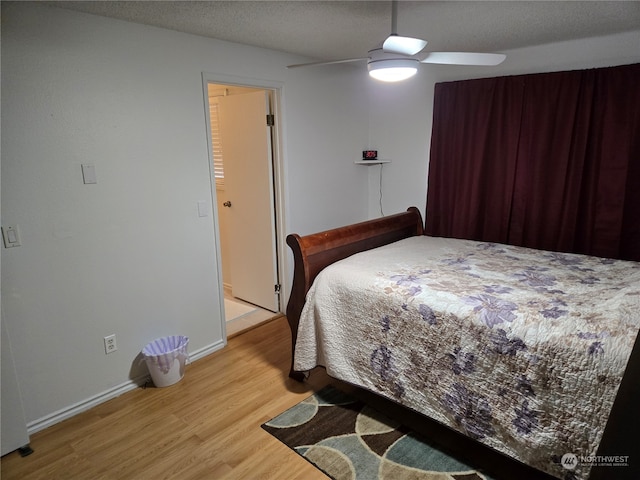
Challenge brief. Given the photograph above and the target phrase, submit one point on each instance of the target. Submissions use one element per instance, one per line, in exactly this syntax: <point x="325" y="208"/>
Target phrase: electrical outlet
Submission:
<point x="110" y="344"/>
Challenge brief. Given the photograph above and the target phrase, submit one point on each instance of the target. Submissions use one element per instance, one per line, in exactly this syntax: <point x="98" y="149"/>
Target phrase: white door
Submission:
<point x="248" y="172"/>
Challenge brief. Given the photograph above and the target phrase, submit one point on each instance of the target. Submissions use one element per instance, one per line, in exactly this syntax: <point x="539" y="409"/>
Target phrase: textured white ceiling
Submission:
<point x="345" y="29"/>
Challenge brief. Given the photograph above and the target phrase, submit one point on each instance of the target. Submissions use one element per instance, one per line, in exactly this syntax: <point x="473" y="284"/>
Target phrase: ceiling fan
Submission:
<point x="398" y="57"/>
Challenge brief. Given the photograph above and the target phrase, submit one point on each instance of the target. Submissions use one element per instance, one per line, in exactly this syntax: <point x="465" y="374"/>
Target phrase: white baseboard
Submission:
<point x="72" y="410"/>
<point x="208" y="350"/>
<point x="75" y="409"/>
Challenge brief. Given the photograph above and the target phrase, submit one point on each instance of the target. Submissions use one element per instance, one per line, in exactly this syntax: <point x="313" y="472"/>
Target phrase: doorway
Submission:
<point x="242" y="146"/>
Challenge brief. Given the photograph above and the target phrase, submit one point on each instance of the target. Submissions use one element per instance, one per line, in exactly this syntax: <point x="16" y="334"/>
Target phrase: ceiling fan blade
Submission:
<point x="464" y="58"/>
<point x="403" y="45"/>
<point x="328" y="62"/>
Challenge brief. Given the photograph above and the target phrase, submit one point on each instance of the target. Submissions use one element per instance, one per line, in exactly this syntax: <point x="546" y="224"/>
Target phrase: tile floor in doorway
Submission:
<point x="246" y="321"/>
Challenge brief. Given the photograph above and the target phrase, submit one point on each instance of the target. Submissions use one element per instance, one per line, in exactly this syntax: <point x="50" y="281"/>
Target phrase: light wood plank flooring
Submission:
<point x="207" y="426"/>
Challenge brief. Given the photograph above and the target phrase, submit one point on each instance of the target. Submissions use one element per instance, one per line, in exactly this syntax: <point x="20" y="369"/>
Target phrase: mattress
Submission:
<point x="520" y="349"/>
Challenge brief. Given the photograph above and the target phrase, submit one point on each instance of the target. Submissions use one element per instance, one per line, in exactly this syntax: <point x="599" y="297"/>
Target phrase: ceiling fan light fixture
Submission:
<point x="393" y="69"/>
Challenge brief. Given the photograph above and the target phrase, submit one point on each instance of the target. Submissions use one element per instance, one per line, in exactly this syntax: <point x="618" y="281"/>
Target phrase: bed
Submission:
<point x="525" y="352"/>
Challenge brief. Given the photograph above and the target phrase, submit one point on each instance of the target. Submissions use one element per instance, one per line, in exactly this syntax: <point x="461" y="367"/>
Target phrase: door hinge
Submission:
<point x="271" y="120"/>
<point x="277" y="289"/>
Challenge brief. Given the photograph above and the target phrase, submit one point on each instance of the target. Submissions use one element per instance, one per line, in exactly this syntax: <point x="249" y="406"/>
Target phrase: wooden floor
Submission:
<point x="207" y="426"/>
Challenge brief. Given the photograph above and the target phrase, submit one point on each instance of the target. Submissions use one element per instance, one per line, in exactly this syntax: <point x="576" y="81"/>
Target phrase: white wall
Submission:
<point x="130" y="256"/>
<point x="325" y="187"/>
<point x="401" y="131"/>
<point x="401" y="114"/>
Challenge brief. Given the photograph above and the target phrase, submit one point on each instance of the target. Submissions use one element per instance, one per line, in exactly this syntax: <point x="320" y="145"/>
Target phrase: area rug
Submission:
<point x="349" y="440"/>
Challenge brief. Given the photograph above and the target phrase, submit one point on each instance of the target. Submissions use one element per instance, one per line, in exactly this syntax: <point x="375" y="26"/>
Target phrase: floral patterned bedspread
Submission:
<point x="520" y="349"/>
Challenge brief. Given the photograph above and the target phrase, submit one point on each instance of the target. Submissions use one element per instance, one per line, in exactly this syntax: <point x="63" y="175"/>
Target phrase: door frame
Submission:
<point x="275" y="88"/>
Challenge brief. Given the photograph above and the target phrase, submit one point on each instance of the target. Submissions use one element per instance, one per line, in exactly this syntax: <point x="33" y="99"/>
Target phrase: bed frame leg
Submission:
<point x="297" y="376"/>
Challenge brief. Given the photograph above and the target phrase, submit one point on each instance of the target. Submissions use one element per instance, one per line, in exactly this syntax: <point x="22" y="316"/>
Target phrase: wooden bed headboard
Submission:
<point x="314" y="252"/>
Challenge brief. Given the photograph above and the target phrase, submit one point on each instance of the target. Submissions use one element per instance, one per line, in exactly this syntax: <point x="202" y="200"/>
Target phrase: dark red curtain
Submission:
<point x="549" y="161"/>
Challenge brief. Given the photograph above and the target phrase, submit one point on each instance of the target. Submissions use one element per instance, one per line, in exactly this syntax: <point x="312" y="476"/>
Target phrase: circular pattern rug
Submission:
<point x="349" y="440"/>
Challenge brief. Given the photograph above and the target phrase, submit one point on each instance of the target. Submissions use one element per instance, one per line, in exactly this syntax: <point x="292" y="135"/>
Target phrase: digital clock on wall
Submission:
<point x="369" y="154"/>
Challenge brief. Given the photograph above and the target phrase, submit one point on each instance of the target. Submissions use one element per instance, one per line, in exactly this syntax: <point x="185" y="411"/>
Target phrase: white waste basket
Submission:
<point x="166" y="358"/>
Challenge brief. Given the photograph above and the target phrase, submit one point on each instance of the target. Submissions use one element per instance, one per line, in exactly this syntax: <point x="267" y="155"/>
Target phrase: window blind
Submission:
<point x="216" y="144"/>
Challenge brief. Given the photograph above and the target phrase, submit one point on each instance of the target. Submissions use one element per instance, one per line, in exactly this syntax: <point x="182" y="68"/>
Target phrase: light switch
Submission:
<point x="11" y="236"/>
<point x="89" y="174"/>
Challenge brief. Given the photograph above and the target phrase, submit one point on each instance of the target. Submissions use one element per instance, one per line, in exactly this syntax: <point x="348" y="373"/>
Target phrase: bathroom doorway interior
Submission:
<point x="242" y="147"/>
